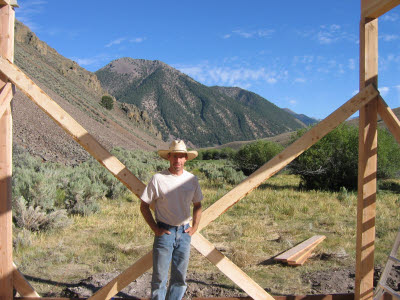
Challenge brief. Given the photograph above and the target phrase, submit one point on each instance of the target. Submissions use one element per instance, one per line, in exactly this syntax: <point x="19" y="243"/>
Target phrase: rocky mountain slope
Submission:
<point x="79" y="92"/>
<point x="182" y="107"/>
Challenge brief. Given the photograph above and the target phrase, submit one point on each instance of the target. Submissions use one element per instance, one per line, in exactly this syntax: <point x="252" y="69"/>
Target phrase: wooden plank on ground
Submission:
<point x="301" y="259"/>
<point x="302" y="256"/>
<point x="375" y="8"/>
<point x="390" y="119"/>
<point x="22" y="285"/>
<point x="289" y="154"/>
<point x="6" y="96"/>
<point x="73" y="128"/>
<point x="229" y="268"/>
<point x="300" y="249"/>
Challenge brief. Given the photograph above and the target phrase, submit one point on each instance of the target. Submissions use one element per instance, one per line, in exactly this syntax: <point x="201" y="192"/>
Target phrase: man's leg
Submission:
<point x="162" y="252"/>
<point x="180" y="262"/>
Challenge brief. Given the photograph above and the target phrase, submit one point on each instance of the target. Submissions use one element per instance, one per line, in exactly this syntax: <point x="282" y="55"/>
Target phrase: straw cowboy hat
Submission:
<point x="177" y="147"/>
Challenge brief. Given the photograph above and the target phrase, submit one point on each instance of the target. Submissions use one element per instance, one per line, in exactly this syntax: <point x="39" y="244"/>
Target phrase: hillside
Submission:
<point x="182" y="107"/>
<point x="79" y="92"/>
<point x="302" y="117"/>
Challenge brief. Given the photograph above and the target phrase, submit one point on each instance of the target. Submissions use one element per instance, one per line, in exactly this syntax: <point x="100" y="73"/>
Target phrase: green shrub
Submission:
<point x="107" y="102"/>
<point x="332" y="163"/>
<point x="221" y="173"/>
<point x="216" y="154"/>
<point x="252" y="156"/>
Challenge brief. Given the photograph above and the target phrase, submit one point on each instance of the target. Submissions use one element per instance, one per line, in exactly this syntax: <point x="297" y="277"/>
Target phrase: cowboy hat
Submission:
<point x="177" y="147"/>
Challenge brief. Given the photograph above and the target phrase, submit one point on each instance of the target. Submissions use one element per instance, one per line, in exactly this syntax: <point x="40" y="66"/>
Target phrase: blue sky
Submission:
<point x="301" y="55"/>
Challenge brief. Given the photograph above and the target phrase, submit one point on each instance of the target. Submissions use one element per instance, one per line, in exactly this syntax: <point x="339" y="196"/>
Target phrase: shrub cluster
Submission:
<point x="216" y="154"/>
<point x="107" y="102"/>
<point x="252" y="156"/>
<point x="332" y="163"/>
<point x="46" y="193"/>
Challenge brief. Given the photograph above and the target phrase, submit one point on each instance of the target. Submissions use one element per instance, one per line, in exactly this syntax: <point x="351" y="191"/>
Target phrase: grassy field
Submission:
<point x="270" y="220"/>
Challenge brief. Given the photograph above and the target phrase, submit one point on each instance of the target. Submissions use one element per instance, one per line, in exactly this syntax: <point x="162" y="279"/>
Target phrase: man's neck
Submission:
<point x="175" y="172"/>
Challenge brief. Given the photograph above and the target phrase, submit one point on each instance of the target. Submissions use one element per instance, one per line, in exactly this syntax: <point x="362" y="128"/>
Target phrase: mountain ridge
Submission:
<point x="79" y="93"/>
<point x="182" y="107"/>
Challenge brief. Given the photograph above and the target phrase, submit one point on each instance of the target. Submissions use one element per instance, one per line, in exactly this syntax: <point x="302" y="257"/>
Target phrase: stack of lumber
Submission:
<point x="297" y="255"/>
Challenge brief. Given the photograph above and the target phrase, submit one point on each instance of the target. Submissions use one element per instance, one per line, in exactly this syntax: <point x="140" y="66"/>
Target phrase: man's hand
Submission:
<point x="191" y="230"/>
<point x="158" y="231"/>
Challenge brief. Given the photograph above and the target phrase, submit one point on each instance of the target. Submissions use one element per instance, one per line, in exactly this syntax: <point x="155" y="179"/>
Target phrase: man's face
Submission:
<point x="177" y="161"/>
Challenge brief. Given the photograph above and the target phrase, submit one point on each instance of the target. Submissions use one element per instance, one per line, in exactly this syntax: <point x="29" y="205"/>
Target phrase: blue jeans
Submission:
<point x="175" y="247"/>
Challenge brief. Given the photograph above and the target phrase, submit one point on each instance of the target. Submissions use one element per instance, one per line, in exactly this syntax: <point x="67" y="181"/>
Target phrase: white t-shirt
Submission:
<point x="173" y="196"/>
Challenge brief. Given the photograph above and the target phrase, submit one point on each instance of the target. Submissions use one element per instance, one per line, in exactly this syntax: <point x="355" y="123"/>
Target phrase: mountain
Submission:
<point x="79" y="92"/>
<point x="302" y="118"/>
<point x="182" y="107"/>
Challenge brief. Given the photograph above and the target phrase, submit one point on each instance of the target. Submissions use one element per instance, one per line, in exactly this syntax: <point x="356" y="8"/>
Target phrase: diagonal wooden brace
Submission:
<point x="22" y="285"/>
<point x="229" y="268"/>
<point x="73" y="128"/>
<point x="289" y="154"/>
<point x="6" y="96"/>
<point x="390" y="119"/>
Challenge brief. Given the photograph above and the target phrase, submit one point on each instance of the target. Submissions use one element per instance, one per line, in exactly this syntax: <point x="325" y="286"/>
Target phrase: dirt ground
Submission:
<point x="327" y="282"/>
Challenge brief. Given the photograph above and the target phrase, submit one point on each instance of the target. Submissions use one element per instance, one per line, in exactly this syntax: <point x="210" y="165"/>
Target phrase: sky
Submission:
<point x="301" y="55"/>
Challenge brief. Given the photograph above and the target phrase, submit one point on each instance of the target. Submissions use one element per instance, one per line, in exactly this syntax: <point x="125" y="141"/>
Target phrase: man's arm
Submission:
<point x="147" y="215"/>
<point x="196" y="218"/>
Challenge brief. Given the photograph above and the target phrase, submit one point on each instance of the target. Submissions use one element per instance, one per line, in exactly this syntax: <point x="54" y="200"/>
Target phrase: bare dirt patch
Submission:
<point x="335" y="281"/>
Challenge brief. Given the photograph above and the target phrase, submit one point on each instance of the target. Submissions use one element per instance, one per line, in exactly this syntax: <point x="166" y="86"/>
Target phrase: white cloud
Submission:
<point x="115" y="42"/>
<point x="259" y="33"/>
<point x="389" y="37"/>
<point x="384" y="90"/>
<point x="352" y="64"/>
<point x="27" y="10"/>
<point x="232" y="76"/>
<point x="300" y="80"/>
<point x="389" y="17"/>
<point x="138" y="40"/>
<point x="329" y="34"/>
<point x="95" y="62"/>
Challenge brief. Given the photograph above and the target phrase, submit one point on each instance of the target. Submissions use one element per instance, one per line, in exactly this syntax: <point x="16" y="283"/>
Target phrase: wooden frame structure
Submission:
<point x="367" y="101"/>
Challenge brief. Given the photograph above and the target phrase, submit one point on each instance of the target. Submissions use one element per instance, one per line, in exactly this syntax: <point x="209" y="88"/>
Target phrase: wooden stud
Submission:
<point x="367" y="163"/>
<point x="286" y="156"/>
<point x="7" y="17"/>
<point x="229" y="269"/>
<point x="372" y="9"/>
<point x="22" y="285"/>
<point x="390" y="119"/>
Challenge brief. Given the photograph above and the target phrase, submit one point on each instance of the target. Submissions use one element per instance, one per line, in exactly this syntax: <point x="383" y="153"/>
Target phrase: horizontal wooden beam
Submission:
<point x="289" y="154"/>
<point x="72" y="127"/>
<point x="22" y="285"/>
<point x="290" y="297"/>
<point x="373" y="9"/>
<point x="390" y="119"/>
<point x="229" y="268"/>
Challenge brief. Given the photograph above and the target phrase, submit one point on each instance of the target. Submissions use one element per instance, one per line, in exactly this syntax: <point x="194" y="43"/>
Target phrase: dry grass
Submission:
<point x="270" y="220"/>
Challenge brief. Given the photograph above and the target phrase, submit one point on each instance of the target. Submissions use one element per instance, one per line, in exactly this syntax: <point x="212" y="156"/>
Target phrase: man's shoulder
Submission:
<point x="189" y="175"/>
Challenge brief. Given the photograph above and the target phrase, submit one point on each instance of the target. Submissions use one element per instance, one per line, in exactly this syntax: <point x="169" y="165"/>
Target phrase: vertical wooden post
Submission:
<point x="367" y="162"/>
<point x="7" y="17"/>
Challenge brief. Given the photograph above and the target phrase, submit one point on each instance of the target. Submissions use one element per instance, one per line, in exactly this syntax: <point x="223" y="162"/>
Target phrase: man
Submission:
<point x="172" y="191"/>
